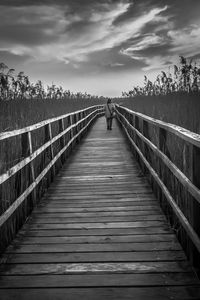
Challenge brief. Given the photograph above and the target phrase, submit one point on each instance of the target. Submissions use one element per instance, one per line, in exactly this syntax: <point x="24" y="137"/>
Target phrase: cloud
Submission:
<point x="171" y="37"/>
<point x="145" y="42"/>
<point x="185" y="41"/>
<point x="56" y="32"/>
<point x="116" y="65"/>
<point x="89" y="37"/>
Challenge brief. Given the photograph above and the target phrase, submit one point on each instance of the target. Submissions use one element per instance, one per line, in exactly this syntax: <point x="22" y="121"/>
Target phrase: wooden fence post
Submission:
<point x="48" y="137"/>
<point x="72" y="130"/>
<point x="137" y="126"/>
<point x="25" y="153"/>
<point x="162" y="142"/>
<point x="61" y="129"/>
<point x="62" y="139"/>
<point x="34" y="195"/>
<point x="145" y="132"/>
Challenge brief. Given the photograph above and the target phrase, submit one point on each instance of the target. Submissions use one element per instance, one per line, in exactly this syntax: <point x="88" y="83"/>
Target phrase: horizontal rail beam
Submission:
<point x="194" y="191"/>
<point x="183" y="220"/>
<point x="4" y="217"/>
<point x="181" y="132"/>
<point x="27" y="160"/>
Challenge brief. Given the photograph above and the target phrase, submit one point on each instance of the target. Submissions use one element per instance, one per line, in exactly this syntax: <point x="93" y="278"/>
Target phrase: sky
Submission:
<point x="100" y="47"/>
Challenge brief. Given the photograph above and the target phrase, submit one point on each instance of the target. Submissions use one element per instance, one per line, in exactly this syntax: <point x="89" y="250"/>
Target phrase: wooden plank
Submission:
<point x="96" y="231"/>
<point x="122" y="188"/>
<point x="96" y="214"/>
<point x="96" y="268"/>
<point x="61" y="220"/>
<point x="103" y="280"/>
<point x="171" y="255"/>
<point x="103" y="208"/>
<point x="104" y="225"/>
<point x="115" y="247"/>
<point x="111" y="293"/>
<point x="57" y="201"/>
<point x="84" y="196"/>
<point x="68" y="204"/>
<point x="96" y="239"/>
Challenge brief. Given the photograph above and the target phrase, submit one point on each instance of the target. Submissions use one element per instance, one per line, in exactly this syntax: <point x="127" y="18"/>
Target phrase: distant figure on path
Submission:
<point x="109" y="113"/>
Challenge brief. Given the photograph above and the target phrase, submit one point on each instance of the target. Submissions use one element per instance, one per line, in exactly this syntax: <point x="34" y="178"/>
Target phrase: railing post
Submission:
<point x="48" y="137"/>
<point x="25" y="153"/>
<point x="137" y="126"/>
<point x="145" y="131"/>
<point x="71" y="123"/>
<point x="162" y="142"/>
<point x="79" y="126"/>
<point x="62" y="139"/>
<point x="81" y="118"/>
<point x="61" y="129"/>
<point x="34" y="195"/>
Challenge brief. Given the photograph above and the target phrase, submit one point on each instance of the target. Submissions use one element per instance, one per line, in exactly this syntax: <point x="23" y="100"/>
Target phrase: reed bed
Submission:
<point x="16" y="114"/>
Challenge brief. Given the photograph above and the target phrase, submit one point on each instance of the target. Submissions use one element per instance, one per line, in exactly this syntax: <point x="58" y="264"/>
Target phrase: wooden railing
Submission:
<point x="42" y="148"/>
<point x="170" y="157"/>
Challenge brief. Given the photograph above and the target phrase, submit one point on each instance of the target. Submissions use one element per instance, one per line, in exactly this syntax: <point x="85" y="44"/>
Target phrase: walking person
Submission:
<point x="109" y="113"/>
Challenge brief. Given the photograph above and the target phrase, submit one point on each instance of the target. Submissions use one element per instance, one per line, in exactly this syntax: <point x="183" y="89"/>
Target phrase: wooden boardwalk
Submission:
<point x="99" y="233"/>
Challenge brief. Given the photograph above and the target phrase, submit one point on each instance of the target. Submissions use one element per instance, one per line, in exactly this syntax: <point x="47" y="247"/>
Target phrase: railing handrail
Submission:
<point x="195" y="192"/>
<point x="191" y="188"/>
<point x="179" y="131"/>
<point x="4" y="217"/>
<point x="12" y="133"/>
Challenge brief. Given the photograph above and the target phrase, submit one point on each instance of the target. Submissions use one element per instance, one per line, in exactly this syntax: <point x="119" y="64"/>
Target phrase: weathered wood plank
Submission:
<point x="141" y="199"/>
<point x="97" y="214"/>
<point x="61" y="220"/>
<point x="104" y="225"/>
<point x="96" y="268"/>
<point x="125" y="293"/>
<point x="96" y="231"/>
<point x="171" y="255"/>
<point x="97" y="239"/>
<point x="103" y="280"/>
<point x="88" y="209"/>
<point x="115" y="247"/>
<point x="98" y="204"/>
